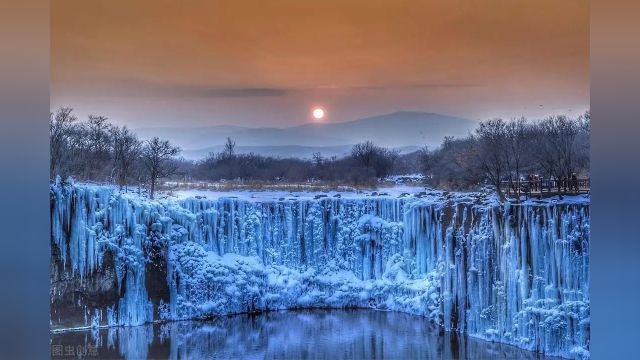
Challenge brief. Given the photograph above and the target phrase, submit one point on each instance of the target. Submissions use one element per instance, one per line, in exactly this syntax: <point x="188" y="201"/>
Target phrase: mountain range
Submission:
<point x="404" y="131"/>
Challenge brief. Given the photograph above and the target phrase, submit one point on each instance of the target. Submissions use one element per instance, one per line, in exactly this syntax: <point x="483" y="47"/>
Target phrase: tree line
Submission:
<point x="363" y="166"/>
<point x="500" y="152"/>
<point x="496" y="152"/>
<point x="97" y="150"/>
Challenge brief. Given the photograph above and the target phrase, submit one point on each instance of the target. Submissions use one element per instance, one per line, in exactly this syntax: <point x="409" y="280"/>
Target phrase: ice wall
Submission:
<point x="516" y="274"/>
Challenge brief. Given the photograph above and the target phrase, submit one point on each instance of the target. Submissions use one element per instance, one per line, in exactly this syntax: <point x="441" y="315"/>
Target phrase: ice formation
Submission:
<point x="511" y="273"/>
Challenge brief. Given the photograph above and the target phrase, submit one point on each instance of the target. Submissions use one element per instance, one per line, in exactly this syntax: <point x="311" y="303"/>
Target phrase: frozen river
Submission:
<point x="317" y="334"/>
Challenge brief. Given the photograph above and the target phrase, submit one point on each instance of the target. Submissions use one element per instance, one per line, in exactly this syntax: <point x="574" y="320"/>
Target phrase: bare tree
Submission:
<point x="491" y="137"/>
<point x="126" y="149"/>
<point x="317" y="159"/>
<point x="61" y="125"/>
<point x="229" y="148"/>
<point x="97" y="131"/>
<point x="454" y="165"/>
<point x="583" y="142"/>
<point x="376" y="159"/>
<point x="157" y="156"/>
<point x="516" y="147"/>
<point x="364" y="153"/>
<point x="556" y="146"/>
<point x="428" y="162"/>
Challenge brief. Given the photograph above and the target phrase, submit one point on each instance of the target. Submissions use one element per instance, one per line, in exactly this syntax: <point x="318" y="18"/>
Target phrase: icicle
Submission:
<point x="513" y="273"/>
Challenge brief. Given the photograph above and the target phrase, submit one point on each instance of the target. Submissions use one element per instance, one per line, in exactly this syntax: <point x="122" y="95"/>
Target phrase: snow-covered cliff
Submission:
<point x="516" y="274"/>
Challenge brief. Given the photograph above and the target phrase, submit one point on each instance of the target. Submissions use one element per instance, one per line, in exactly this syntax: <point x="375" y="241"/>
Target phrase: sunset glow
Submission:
<point x="365" y="59"/>
<point x="318" y="113"/>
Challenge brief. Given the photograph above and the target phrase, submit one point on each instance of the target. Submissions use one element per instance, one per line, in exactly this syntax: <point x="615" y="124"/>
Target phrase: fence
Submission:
<point x="547" y="186"/>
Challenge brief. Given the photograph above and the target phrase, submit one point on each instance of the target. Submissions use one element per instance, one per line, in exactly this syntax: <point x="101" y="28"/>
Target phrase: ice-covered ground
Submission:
<point x="511" y="273"/>
<point x="393" y="191"/>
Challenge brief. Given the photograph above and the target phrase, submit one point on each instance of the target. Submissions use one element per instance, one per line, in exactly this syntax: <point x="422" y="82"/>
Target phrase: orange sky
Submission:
<point x="266" y="63"/>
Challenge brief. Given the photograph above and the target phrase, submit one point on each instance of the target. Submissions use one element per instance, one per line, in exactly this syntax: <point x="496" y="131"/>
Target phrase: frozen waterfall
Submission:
<point x="511" y="273"/>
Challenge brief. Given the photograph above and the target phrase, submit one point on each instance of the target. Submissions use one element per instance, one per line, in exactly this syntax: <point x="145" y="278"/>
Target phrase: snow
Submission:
<point x="512" y="273"/>
<point x="402" y="179"/>
<point x="271" y="195"/>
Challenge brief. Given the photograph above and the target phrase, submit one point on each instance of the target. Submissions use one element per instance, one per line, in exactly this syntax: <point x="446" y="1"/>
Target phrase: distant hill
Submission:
<point x="396" y="130"/>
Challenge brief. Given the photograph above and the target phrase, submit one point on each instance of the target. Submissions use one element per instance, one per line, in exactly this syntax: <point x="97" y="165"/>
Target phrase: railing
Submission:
<point x="541" y="186"/>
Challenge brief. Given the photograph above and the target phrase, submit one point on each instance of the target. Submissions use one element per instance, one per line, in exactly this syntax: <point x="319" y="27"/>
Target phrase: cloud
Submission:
<point x="435" y="86"/>
<point x="222" y="92"/>
<point x="146" y="87"/>
<point x="217" y="92"/>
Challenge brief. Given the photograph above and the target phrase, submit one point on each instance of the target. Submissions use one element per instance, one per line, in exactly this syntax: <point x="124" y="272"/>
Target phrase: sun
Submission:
<point x="318" y="113"/>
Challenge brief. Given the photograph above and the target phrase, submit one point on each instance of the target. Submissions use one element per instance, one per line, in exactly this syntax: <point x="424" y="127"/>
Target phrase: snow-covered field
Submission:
<point x="511" y="273"/>
<point x="257" y="195"/>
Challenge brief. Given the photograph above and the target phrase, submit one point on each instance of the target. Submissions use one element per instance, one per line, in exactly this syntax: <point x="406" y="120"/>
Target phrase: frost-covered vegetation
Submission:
<point x="517" y="274"/>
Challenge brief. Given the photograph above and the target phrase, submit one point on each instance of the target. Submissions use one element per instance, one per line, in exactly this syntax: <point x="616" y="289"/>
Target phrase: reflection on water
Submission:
<point x="317" y="334"/>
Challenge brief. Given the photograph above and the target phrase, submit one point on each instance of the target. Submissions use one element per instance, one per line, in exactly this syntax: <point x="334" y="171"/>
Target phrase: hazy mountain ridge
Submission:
<point x="395" y="130"/>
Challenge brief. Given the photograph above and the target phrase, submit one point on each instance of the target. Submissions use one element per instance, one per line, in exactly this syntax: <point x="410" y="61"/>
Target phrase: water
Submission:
<point x="309" y="334"/>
